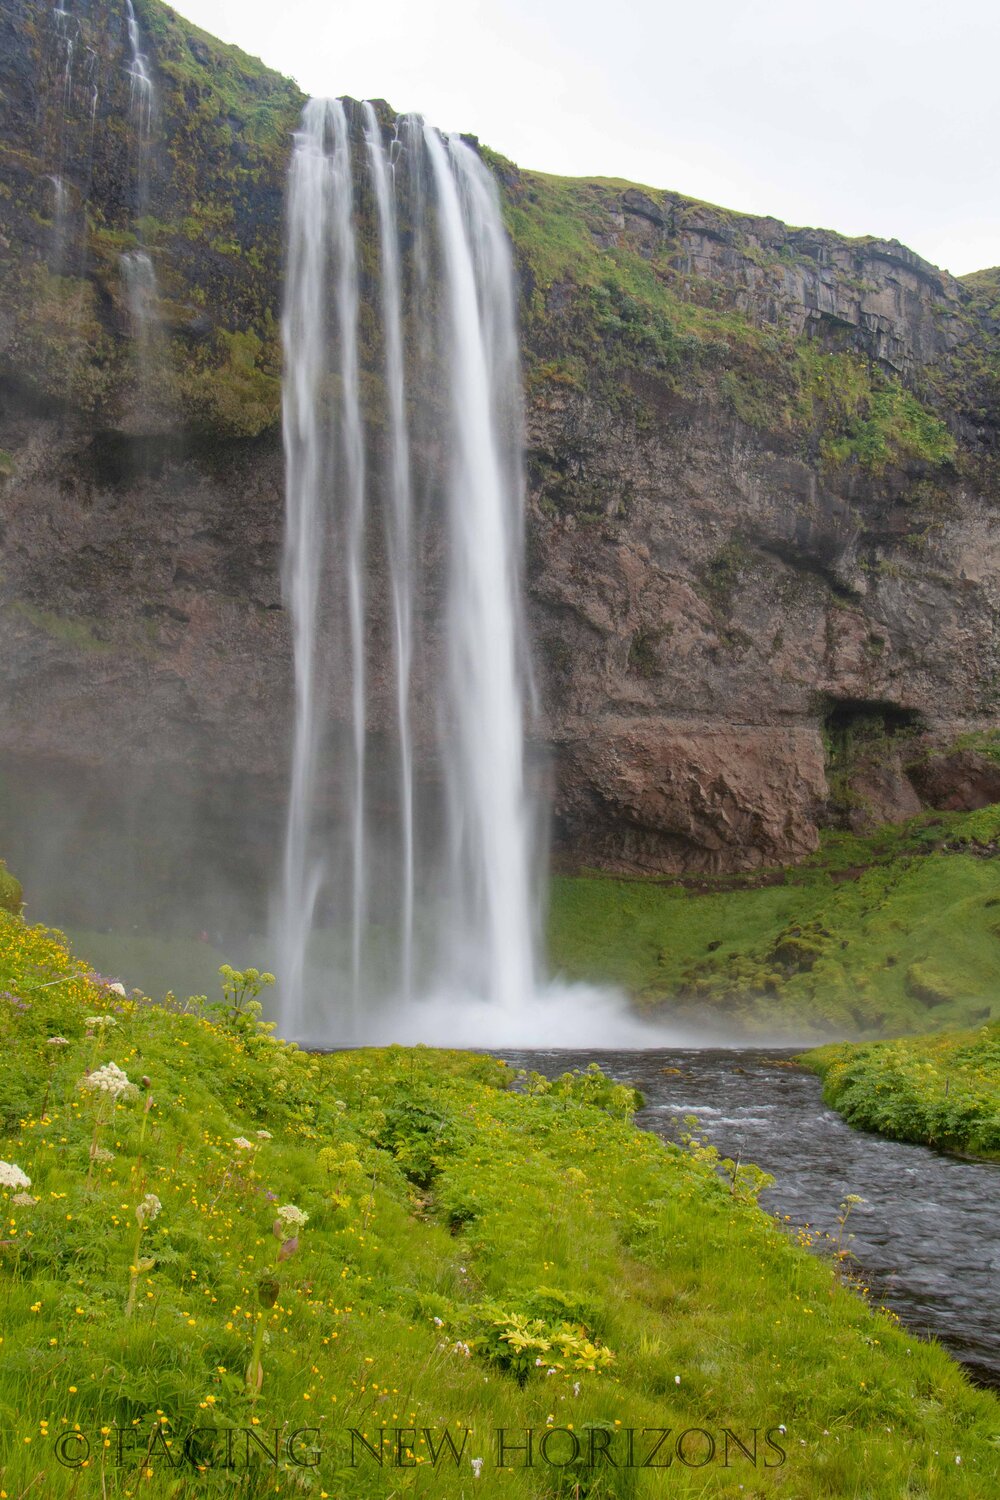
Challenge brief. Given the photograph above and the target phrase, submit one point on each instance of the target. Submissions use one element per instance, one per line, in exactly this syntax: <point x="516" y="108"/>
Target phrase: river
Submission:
<point x="926" y="1238"/>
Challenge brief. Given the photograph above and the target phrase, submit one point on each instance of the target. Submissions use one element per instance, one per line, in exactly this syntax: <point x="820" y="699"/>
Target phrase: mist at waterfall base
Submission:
<point x="413" y="868"/>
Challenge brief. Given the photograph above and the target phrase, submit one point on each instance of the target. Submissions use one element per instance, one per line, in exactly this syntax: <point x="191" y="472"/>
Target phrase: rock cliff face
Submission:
<point x="763" y="542"/>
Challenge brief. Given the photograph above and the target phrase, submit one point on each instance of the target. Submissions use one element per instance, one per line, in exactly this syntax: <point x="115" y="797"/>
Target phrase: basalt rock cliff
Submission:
<point x="763" y="537"/>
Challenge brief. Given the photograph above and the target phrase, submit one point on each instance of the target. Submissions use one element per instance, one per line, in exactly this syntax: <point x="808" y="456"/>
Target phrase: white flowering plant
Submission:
<point x="110" y="1080"/>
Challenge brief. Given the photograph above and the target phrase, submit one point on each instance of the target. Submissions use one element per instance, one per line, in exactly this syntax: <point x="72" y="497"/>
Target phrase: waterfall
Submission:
<point x="142" y="105"/>
<point x="138" y="270"/>
<point x="403" y="438"/>
<point x="65" y="31"/>
<point x="398" y="519"/>
<point x="140" y="293"/>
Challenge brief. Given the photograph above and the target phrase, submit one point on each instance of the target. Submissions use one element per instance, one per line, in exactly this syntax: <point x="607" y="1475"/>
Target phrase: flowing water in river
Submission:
<point x="927" y="1236"/>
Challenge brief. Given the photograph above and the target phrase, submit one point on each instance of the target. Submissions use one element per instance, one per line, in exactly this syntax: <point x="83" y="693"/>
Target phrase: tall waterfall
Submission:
<point x="403" y="890"/>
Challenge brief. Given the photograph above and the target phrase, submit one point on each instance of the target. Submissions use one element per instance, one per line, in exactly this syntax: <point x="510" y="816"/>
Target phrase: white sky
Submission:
<point x="866" y="116"/>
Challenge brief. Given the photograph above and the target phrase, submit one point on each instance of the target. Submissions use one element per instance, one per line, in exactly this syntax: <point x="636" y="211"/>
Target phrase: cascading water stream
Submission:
<point x="485" y="502"/>
<point x="73" y="105"/>
<point x="137" y="267"/>
<point x="142" y="106"/>
<point x="65" y="25"/>
<point x="438" y="876"/>
<point x="398" y="518"/>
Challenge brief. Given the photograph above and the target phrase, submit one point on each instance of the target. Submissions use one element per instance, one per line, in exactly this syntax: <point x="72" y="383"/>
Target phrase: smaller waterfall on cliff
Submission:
<point x="65" y="28"/>
<point x="402" y="433"/>
<point x="60" y="217"/>
<point x="71" y="129"/>
<point x="142" y="105"/>
<point x="141" y="294"/>
<point x="137" y="267"/>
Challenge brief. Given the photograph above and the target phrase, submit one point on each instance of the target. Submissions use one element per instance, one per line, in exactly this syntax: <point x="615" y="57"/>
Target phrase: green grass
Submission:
<point x="939" y="1090"/>
<point x="896" y="932"/>
<point x="477" y="1256"/>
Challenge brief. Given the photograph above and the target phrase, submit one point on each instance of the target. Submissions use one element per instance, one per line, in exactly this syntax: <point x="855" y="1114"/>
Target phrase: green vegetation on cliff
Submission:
<point x="455" y="1248"/>
<point x="897" y="931"/>
<point x="629" y="292"/>
<point x="606" y="304"/>
<point x="213" y="223"/>
<point x="938" y="1090"/>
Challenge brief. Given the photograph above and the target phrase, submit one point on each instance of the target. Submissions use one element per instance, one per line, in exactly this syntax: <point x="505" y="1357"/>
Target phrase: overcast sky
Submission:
<point x="866" y="116"/>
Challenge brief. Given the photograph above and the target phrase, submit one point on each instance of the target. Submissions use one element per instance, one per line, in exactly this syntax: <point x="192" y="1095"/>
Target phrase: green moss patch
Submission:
<point x="894" y="932"/>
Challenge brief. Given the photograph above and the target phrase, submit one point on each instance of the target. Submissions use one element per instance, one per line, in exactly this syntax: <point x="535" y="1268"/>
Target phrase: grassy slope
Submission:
<point x="435" y="1192"/>
<point x="939" y="1090"/>
<point x="896" y="932"/>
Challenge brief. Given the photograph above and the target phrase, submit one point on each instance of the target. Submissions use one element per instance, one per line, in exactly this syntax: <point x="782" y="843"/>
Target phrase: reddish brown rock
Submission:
<point x="960" y="781"/>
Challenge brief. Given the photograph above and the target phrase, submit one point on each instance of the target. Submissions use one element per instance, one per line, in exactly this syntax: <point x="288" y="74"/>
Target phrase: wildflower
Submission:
<point x="57" y="1041"/>
<point x="477" y="1465"/>
<point x="99" y="1023"/>
<point x="576" y="1388"/>
<point x="439" y="1322"/>
<point x="241" y="1143"/>
<point x="108" y="1080"/>
<point x="677" y="1380"/>
<point x="24" y="1200"/>
<point x="101" y="1153"/>
<point x="12" y="1176"/>
<point x="148" y="1209"/>
<point x="117" y="988"/>
<point x="290" y="1216"/>
<point x="264" y="1135"/>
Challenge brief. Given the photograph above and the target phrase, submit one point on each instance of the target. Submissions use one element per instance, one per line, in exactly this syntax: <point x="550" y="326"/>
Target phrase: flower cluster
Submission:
<point x="108" y="1080"/>
<point x="99" y="1023"/>
<point x="12" y="1176"/>
<point x="148" y="1209"/>
<point x="292" y="1217"/>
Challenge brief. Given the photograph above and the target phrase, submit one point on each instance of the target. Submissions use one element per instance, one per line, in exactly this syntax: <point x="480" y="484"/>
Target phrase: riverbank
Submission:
<point x="871" y="937"/>
<point x="941" y="1091"/>
<point x="466" y="1255"/>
